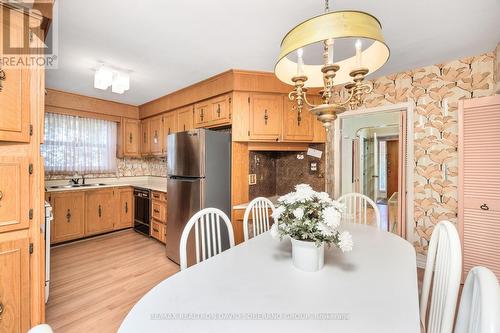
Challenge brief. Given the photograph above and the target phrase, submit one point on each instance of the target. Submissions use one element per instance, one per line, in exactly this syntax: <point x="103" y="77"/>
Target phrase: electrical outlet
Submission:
<point x="313" y="167"/>
<point x="252" y="179"/>
<point x="300" y="156"/>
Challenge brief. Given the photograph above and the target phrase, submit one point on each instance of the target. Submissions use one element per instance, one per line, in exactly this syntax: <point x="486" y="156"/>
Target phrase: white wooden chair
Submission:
<point x="442" y="272"/>
<point x="258" y="211"/>
<point x="360" y="209"/>
<point x="207" y="233"/>
<point x="42" y="328"/>
<point x="480" y="303"/>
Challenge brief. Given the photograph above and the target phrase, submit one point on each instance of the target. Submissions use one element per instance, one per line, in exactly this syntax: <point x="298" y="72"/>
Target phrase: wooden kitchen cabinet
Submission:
<point x="100" y="211"/>
<point x="266" y="114"/>
<point x="145" y="142"/>
<point x="319" y="130"/>
<point x="131" y="137"/>
<point x="202" y="115"/>
<point x="220" y="111"/>
<point x="15" y="283"/>
<point x="295" y="127"/>
<point x="185" y="119"/>
<point x="169" y="127"/>
<point x="158" y="215"/>
<point x="15" y="85"/>
<point x="126" y="208"/>
<point x="68" y="211"/>
<point x="158" y="231"/>
<point x="156" y="135"/>
<point x="14" y="193"/>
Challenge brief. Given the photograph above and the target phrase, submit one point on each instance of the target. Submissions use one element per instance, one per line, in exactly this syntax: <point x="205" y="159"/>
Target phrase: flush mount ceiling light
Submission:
<point x="106" y="77"/>
<point x="350" y="30"/>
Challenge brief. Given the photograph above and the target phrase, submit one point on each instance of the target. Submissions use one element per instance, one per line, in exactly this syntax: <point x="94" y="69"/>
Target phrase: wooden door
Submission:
<point x="219" y="111"/>
<point x="479" y="182"/>
<point x="15" y="84"/>
<point x="14" y="193"/>
<point x="156" y="135"/>
<point x="126" y="209"/>
<point x="185" y="119"/>
<point x="392" y="152"/>
<point x="169" y="127"/>
<point x="202" y="114"/>
<point x="68" y="209"/>
<point x="297" y="127"/>
<point x="145" y="142"/>
<point x="14" y="285"/>
<point x="266" y="117"/>
<point x="99" y="211"/>
<point x="131" y="137"/>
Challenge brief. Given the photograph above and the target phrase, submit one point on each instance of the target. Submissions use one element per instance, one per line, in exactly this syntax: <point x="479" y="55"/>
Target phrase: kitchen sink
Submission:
<point x="77" y="185"/>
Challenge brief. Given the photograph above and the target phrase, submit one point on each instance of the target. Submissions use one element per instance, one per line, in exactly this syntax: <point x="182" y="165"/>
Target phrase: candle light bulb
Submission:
<point x="358" y="46"/>
<point x="300" y="62"/>
<point x="330" y="43"/>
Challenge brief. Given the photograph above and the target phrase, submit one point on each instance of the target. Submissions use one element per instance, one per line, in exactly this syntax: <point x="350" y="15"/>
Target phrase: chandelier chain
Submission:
<point x="327" y="6"/>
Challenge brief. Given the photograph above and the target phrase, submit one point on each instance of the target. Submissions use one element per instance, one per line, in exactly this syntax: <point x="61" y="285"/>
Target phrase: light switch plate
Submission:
<point x="252" y="179"/>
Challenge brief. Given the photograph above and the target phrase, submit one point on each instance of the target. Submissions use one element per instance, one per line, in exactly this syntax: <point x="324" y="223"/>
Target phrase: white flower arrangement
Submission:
<point x="312" y="216"/>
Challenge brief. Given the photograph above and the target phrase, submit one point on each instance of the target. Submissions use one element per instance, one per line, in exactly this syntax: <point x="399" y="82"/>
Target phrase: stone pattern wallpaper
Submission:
<point x="126" y="167"/>
<point x="278" y="172"/>
<point x="435" y="90"/>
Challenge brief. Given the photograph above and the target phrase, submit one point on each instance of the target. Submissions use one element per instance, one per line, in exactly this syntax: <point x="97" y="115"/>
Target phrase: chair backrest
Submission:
<point x="480" y="303"/>
<point x="258" y="211"/>
<point x="442" y="272"/>
<point x="207" y="234"/>
<point x="359" y="209"/>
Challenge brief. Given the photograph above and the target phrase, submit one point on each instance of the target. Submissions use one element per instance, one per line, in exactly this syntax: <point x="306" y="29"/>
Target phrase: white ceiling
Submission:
<point x="170" y="44"/>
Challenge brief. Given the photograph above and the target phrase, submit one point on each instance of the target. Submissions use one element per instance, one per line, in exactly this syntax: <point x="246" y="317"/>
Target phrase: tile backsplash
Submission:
<point x="278" y="172"/>
<point x="127" y="167"/>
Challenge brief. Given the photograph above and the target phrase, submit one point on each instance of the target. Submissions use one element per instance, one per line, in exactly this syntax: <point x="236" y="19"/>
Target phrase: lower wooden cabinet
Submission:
<point x="158" y="216"/>
<point x="100" y="208"/>
<point x="15" y="284"/>
<point x="126" y="208"/>
<point x="68" y="210"/>
<point x="158" y="231"/>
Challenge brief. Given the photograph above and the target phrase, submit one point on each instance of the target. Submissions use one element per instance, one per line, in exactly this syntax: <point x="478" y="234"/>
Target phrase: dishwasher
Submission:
<point x="142" y="201"/>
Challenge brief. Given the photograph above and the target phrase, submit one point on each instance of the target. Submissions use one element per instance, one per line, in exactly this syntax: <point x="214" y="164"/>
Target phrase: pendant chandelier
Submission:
<point x="369" y="52"/>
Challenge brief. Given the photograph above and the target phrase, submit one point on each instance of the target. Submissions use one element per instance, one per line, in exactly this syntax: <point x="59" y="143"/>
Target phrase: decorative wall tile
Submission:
<point x="436" y="91"/>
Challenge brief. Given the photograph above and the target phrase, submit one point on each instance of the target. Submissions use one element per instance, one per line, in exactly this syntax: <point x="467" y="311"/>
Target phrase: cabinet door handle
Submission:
<point x="484" y="207"/>
<point x="100" y="211"/>
<point x="266" y="116"/>
<point x="130" y="138"/>
<point x="1" y="310"/>
<point x="156" y="210"/>
<point x="155" y="230"/>
<point x="145" y="138"/>
<point x="1" y="195"/>
<point x="299" y="119"/>
<point x="184" y="127"/>
<point x="169" y="130"/>
<point x="218" y="110"/>
<point x="201" y="114"/>
<point x="68" y="216"/>
<point x="3" y="77"/>
<point x="126" y="207"/>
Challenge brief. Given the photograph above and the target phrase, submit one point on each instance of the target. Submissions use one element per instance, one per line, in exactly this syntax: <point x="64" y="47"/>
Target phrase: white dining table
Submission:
<point x="254" y="287"/>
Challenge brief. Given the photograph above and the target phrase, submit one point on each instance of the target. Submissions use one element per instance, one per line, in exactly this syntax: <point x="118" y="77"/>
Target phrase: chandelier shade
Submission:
<point x="332" y="26"/>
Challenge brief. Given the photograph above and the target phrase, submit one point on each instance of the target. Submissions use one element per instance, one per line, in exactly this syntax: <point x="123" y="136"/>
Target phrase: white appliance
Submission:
<point x="46" y="231"/>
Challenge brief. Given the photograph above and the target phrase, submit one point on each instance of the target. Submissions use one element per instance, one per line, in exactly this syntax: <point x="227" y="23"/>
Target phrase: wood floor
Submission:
<point x="94" y="283"/>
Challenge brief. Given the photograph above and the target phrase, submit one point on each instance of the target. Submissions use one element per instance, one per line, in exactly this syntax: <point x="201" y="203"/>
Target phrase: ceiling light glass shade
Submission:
<point x="332" y="25"/>
<point x="103" y="78"/>
<point x="121" y="82"/>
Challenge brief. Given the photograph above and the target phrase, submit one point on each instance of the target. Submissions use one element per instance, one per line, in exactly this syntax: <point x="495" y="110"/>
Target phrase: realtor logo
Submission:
<point x="25" y="43"/>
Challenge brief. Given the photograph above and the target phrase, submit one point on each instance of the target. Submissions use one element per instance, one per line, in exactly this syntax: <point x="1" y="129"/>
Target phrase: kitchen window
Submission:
<point x="76" y="145"/>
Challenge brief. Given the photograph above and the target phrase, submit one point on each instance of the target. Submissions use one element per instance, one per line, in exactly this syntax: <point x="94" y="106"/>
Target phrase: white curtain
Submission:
<point x="79" y="145"/>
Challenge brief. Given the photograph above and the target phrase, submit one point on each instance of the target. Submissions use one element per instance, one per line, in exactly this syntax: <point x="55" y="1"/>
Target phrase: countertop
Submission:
<point x="274" y="200"/>
<point x="148" y="182"/>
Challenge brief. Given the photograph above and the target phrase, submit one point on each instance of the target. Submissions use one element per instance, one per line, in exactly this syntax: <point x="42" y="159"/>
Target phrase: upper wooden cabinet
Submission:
<point x="15" y="284"/>
<point x="220" y="113"/>
<point x="156" y="135"/>
<point x="100" y="210"/>
<point x="169" y="127"/>
<point x="266" y="113"/>
<point x="202" y="115"/>
<point x="131" y="137"/>
<point x="14" y="193"/>
<point x="68" y="210"/>
<point x="297" y="127"/>
<point x="15" y="85"/>
<point x="145" y="142"/>
<point x="185" y="119"/>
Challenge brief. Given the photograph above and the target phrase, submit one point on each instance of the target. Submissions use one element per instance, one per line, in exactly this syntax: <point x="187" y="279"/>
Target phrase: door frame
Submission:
<point x="407" y="109"/>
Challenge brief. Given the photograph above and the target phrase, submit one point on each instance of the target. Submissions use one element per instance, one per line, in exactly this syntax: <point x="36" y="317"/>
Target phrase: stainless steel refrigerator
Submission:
<point x="199" y="176"/>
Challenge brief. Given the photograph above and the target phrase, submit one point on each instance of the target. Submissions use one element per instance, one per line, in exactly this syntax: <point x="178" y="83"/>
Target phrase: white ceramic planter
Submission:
<point x="306" y="256"/>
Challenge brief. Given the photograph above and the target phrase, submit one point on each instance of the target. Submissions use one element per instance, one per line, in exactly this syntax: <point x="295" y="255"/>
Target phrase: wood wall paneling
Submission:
<point x="239" y="183"/>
